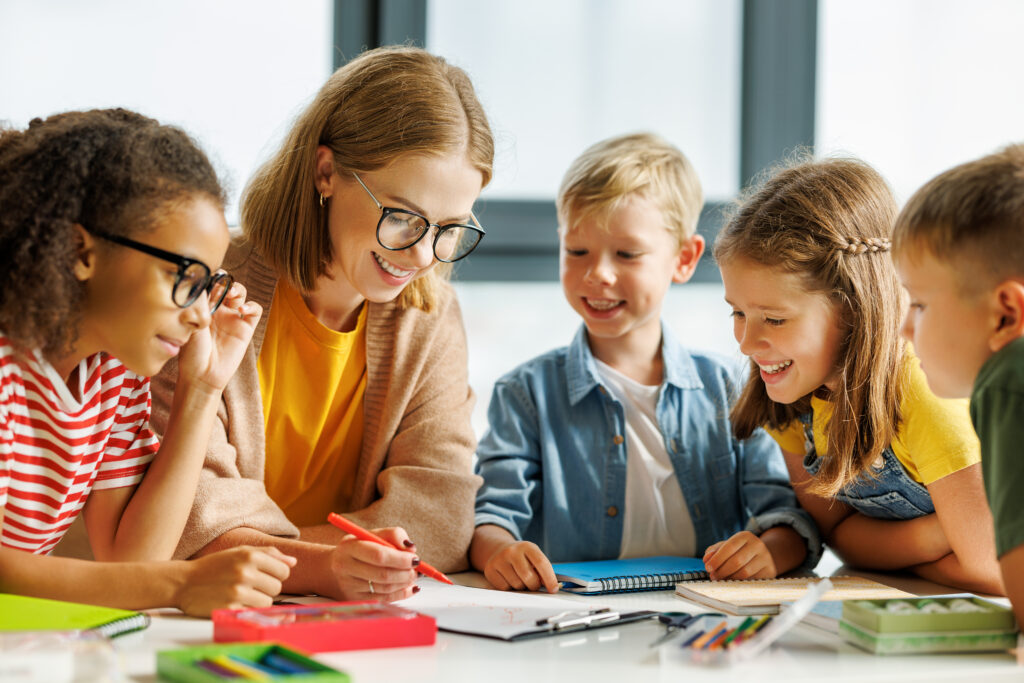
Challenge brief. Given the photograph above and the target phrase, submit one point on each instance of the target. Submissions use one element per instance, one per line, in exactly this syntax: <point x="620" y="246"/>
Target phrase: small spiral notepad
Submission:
<point x="22" y="613"/>
<point x="622" y="576"/>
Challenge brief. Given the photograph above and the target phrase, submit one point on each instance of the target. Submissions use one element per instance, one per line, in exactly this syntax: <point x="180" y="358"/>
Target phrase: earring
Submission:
<point x="323" y="199"/>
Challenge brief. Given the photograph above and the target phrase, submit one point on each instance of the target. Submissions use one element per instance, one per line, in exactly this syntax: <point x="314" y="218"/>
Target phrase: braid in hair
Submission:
<point x="862" y="245"/>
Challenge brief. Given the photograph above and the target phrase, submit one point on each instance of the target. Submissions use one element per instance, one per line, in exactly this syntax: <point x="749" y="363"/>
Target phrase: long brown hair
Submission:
<point x="383" y="104"/>
<point x="830" y="222"/>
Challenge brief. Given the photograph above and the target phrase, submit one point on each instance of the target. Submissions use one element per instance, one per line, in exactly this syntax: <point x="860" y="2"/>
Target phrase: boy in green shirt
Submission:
<point x="959" y="249"/>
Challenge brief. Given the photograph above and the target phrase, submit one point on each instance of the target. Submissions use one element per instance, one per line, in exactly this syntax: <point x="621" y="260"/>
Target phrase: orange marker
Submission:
<point x="362" y="534"/>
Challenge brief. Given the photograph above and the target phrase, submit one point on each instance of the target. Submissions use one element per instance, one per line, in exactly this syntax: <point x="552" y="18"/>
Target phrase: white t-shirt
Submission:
<point x="656" y="520"/>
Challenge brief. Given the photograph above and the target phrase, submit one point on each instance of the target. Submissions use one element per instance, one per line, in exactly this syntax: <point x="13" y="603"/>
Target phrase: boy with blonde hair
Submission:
<point x="959" y="249"/>
<point x="619" y="445"/>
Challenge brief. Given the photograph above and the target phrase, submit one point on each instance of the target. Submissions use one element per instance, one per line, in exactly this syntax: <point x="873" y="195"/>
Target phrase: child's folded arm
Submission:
<point x="1012" y="565"/>
<point x="871" y="543"/>
<point x="770" y="498"/>
<point x="950" y="571"/>
<point x="966" y="521"/>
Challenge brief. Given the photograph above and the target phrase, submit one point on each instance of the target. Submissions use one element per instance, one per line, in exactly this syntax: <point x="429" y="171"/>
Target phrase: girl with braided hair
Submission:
<point x="890" y="473"/>
<point x="111" y="235"/>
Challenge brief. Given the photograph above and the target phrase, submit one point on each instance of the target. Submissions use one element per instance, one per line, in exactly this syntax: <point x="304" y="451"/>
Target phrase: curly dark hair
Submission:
<point x="109" y="169"/>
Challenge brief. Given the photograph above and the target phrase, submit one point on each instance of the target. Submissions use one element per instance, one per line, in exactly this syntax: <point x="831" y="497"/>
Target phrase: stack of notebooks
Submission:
<point x="764" y="596"/>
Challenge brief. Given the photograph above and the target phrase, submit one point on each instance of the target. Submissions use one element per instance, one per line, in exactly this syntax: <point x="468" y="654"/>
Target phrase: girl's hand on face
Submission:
<point x="213" y="353"/>
<point x="364" y="570"/>
<point x="245" y="576"/>
<point x="521" y="566"/>
<point x="743" y="556"/>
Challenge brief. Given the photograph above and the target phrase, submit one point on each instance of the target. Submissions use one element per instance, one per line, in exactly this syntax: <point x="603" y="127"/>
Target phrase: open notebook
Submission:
<point x="763" y="596"/>
<point x="634" y="574"/>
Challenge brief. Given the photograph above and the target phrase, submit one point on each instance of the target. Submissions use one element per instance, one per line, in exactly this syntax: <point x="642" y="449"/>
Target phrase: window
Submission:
<point x="918" y="86"/>
<point x="555" y="77"/>
<point x="232" y="73"/>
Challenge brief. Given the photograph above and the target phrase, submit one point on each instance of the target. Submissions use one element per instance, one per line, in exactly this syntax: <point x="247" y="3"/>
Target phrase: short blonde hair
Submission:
<point x="601" y="178"/>
<point x="971" y="216"/>
<point x="384" y="104"/>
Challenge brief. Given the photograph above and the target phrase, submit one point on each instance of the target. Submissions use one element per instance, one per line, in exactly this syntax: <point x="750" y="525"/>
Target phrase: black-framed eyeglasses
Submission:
<point x="192" y="279"/>
<point x="400" y="229"/>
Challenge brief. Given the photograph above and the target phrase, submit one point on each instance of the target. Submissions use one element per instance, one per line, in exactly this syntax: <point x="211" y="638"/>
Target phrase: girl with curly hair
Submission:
<point x="111" y="233"/>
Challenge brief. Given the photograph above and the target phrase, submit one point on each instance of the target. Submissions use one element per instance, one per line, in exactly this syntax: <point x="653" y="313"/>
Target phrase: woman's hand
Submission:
<point x="364" y="570"/>
<point x="245" y="576"/>
<point x="743" y="556"/>
<point x="521" y="566"/>
<point x="213" y="353"/>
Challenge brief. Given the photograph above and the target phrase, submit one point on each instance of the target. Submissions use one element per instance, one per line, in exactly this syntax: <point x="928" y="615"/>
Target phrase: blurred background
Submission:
<point x="911" y="86"/>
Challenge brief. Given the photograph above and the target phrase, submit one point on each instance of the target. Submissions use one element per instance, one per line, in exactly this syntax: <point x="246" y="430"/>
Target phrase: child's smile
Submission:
<point x="791" y="334"/>
<point x="772" y="372"/>
<point x="616" y="268"/>
<point x="603" y="307"/>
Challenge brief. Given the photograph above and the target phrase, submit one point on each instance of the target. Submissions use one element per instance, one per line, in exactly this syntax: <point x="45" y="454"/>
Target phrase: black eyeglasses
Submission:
<point x="400" y="229"/>
<point x="192" y="279"/>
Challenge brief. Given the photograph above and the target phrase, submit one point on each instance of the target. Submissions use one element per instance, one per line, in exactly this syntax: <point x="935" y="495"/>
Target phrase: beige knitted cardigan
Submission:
<point x="415" y="468"/>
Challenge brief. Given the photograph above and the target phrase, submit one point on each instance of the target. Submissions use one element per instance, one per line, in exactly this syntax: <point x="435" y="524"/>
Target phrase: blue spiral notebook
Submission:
<point x="623" y="576"/>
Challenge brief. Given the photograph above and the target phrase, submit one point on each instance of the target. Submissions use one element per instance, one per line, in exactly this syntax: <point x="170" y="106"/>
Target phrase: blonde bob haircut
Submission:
<point x="384" y="104"/>
<point x="608" y="172"/>
<point x="972" y="217"/>
<point x="829" y="222"/>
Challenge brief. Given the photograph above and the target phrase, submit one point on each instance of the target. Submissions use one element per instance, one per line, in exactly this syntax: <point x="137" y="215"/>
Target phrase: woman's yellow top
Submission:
<point x="312" y="381"/>
<point x="935" y="437"/>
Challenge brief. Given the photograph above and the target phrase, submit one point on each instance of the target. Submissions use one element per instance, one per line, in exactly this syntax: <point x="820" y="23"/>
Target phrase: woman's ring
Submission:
<point x="370" y="584"/>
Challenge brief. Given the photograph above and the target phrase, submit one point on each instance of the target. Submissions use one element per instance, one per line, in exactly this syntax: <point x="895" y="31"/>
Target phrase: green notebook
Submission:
<point x="21" y="613"/>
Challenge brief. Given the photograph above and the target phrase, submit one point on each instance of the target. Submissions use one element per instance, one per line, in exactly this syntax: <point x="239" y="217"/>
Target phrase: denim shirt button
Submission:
<point x="604" y="392"/>
<point x="612" y="511"/>
<point x="617" y="439"/>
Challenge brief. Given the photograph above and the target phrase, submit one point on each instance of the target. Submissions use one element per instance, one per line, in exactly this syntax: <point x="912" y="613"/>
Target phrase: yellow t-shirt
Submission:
<point x="312" y="380"/>
<point x="935" y="437"/>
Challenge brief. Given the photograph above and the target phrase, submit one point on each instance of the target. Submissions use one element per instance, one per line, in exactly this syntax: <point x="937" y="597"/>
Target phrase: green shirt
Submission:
<point x="997" y="411"/>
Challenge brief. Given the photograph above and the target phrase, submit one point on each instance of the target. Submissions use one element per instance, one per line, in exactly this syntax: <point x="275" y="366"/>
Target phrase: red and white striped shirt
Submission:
<point x="56" y="448"/>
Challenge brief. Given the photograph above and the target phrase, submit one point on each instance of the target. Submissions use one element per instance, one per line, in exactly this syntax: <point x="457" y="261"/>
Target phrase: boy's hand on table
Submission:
<point x="245" y="576"/>
<point x="743" y="556"/>
<point x="521" y="566"/>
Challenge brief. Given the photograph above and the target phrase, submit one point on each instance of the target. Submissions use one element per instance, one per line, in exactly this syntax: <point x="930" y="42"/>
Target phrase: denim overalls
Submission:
<point x="891" y="494"/>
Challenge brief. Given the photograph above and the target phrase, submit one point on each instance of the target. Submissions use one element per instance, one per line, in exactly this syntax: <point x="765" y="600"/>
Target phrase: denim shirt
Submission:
<point x="554" y="457"/>
<point x="888" y="492"/>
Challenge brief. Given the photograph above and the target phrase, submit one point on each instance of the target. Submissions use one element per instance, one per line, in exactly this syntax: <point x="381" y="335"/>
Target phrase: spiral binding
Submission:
<point x="127" y="624"/>
<point x="647" y="582"/>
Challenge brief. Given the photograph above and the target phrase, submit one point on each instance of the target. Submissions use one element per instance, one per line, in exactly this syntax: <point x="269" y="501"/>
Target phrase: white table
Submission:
<point x="617" y="653"/>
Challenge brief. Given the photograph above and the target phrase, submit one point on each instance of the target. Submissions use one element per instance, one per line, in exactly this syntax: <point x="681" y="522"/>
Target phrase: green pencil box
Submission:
<point x="871" y="625"/>
<point x="184" y="665"/>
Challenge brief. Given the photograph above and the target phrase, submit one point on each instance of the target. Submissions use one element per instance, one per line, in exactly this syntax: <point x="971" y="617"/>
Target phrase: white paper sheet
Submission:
<point x="479" y="611"/>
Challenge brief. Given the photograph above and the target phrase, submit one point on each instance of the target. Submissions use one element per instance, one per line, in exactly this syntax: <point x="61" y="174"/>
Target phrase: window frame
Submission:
<point x="777" y="110"/>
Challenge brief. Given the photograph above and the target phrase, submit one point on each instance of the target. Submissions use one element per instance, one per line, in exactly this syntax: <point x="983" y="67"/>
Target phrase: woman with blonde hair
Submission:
<point x="353" y="396"/>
